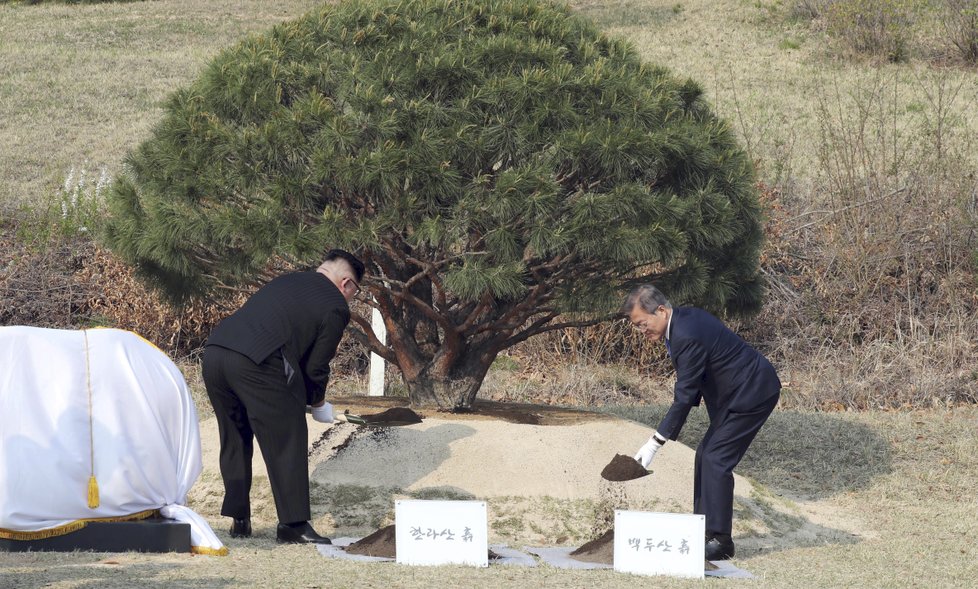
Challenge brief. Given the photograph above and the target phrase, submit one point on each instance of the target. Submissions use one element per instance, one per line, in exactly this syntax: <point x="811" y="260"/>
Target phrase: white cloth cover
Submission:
<point x="101" y="402"/>
<point x="202" y="537"/>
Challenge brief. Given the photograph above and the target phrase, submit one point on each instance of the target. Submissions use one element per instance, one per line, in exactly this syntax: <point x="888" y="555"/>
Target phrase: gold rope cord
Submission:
<point x="74" y="526"/>
<point x="93" y="500"/>
<point x="205" y="551"/>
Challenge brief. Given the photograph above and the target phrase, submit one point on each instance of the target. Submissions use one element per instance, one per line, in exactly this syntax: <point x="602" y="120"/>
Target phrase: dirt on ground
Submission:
<point x="393" y="416"/>
<point x="600" y="550"/>
<point x="383" y="543"/>
<point x="522" y="413"/>
<point x="380" y="543"/>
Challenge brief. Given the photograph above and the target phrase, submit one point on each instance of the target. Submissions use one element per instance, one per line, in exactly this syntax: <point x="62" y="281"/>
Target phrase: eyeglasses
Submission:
<point x="356" y="285"/>
<point x="641" y="325"/>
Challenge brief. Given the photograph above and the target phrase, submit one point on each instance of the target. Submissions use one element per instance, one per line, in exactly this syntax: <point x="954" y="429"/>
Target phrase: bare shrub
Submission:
<point x="810" y="9"/>
<point x="117" y="298"/>
<point x="569" y="383"/>
<point x="960" y="22"/>
<point x="607" y="343"/>
<point x="44" y="246"/>
<point x="872" y="298"/>
<point x="37" y="285"/>
<point x="877" y="27"/>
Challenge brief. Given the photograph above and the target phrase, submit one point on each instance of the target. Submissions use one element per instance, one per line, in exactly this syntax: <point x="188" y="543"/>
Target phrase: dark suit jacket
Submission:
<point x="302" y="315"/>
<point x="714" y="364"/>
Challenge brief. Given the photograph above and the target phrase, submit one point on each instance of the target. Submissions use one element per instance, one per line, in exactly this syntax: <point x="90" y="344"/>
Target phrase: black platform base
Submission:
<point x="148" y="535"/>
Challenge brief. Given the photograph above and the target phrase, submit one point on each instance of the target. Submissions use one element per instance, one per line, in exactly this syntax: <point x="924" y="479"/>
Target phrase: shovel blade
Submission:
<point x="351" y="418"/>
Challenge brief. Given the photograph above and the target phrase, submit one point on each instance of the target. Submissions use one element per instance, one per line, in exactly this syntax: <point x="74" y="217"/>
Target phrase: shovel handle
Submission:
<point x="350" y="418"/>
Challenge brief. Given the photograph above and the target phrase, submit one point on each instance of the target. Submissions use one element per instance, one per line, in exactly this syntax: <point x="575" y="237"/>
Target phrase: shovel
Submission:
<point x="347" y="417"/>
<point x="396" y="416"/>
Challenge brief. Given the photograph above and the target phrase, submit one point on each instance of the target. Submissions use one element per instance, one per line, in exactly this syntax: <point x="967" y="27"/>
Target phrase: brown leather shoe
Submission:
<point x="241" y="528"/>
<point x="301" y="533"/>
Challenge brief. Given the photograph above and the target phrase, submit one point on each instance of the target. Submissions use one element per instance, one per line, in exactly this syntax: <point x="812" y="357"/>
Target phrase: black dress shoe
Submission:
<point x="301" y="533"/>
<point x="719" y="548"/>
<point x="241" y="528"/>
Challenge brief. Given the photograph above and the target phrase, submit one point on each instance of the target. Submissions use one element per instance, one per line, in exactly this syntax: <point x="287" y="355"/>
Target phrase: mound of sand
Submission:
<point x="533" y="453"/>
<point x="489" y="458"/>
<point x="472" y="454"/>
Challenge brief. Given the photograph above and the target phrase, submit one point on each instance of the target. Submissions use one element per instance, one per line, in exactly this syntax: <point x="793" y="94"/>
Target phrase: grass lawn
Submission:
<point x="905" y="477"/>
<point x="80" y="85"/>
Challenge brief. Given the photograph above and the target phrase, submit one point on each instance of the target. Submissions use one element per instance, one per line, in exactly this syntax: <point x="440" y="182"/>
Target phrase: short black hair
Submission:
<point x="353" y="261"/>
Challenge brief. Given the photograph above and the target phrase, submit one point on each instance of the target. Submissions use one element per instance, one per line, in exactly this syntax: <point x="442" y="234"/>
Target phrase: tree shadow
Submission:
<point x="804" y="455"/>
<point x="391" y="457"/>
<point x="357" y="486"/>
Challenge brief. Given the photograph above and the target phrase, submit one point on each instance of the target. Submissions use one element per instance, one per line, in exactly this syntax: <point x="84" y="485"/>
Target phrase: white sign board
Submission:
<point x="441" y="532"/>
<point x="659" y="543"/>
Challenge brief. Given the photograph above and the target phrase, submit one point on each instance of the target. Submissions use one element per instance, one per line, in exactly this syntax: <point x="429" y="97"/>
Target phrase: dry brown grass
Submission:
<point x="85" y="83"/>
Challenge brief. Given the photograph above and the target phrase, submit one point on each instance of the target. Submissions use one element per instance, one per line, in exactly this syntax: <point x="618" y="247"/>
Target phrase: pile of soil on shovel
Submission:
<point x="623" y="468"/>
<point x="393" y="415"/>
<point x="602" y="551"/>
<point x="383" y="543"/>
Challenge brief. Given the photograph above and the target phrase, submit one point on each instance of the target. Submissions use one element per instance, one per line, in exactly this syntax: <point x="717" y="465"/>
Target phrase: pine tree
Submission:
<point x="502" y="167"/>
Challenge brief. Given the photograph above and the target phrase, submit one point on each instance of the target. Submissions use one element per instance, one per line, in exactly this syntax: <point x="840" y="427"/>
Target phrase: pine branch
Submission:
<point x="365" y="335"/>
<point x="542" y="326"/>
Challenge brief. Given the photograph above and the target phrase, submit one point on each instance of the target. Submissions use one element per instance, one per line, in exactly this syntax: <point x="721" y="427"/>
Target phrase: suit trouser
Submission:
<point x="253" y="401"/>
<point x="723" y="446"/>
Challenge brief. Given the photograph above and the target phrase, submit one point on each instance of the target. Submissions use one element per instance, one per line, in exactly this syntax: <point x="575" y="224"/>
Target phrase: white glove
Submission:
<point x="647" y="452"/>
<point x="323" y="413"/>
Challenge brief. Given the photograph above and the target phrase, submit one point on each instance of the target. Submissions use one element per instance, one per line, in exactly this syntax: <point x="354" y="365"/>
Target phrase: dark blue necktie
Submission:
<point x="668" y="349"/>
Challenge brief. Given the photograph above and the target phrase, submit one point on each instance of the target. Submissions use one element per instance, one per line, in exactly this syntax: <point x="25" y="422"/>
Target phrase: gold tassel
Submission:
<point x="204" y="551"/>
<point x="92" y="492"/>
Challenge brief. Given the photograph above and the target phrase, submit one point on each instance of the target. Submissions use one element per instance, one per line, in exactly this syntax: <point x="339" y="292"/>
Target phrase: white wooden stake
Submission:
<point x="377" y="364"/>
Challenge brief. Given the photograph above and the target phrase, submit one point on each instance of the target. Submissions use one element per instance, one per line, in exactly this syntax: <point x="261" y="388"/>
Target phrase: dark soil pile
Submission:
<point x="394" y="415"/>
<point x="504" y="411"/>
<point x="623" y="468"/>
<point x="380" y="543"/>
<point x="383" y="543"/>
<point x="600" y="550"/>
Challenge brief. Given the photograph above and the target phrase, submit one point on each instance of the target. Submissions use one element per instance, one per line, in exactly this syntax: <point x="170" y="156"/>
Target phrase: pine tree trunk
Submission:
<point x="455" y="390"/>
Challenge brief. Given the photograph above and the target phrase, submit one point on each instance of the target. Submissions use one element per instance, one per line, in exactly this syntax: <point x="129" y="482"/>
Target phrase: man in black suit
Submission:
<point x="262" y="366"/>
<point x="738" y="385"/>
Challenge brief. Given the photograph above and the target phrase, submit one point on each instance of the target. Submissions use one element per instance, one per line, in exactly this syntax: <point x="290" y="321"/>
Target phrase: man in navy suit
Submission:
<point x="262" y="366"/>
<point x="738" y="385"/>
